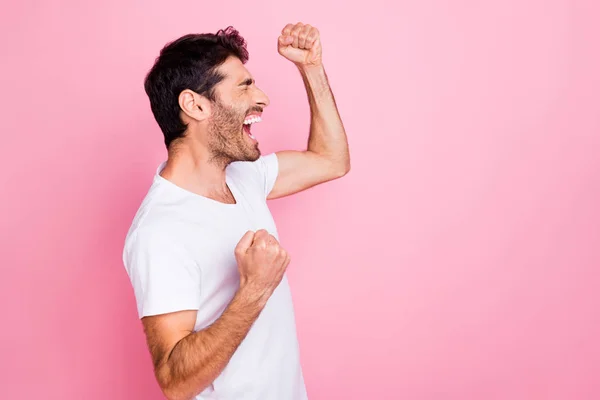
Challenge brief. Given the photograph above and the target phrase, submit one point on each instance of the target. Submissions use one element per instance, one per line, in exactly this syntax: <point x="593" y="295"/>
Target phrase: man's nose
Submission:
<point x="261" y="98"/>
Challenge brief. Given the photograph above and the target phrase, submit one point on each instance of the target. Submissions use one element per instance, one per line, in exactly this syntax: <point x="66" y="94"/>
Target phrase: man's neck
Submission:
<point x="193" y="170"/>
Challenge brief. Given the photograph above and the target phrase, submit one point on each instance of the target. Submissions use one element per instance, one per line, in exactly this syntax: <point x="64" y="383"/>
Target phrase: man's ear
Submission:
<point x="194" y="105"/>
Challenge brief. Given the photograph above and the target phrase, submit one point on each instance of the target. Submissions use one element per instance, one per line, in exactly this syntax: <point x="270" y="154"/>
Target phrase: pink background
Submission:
<point x="458" y="260"/>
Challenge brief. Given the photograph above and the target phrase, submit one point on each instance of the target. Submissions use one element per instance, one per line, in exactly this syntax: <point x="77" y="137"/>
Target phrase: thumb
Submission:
<point x="285" y="40"/>
<point x="244" y="243"/>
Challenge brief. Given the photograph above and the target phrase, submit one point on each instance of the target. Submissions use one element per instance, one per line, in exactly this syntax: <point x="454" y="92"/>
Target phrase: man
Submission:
<point x="202" y="253"/>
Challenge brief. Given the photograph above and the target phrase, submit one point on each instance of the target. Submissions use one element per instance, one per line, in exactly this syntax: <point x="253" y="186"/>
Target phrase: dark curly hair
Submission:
<point x="189" y="62"/>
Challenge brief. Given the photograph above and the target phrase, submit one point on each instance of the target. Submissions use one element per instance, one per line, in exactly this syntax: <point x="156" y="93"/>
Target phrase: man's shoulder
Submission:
<point x="157" y="216"/>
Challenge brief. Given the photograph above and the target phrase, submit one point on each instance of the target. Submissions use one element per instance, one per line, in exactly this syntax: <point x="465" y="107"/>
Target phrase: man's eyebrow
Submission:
<point x="247" y="82"/>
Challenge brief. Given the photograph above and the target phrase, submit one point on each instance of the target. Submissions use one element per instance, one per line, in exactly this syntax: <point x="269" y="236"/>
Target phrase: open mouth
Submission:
<point x="248" y="122"/>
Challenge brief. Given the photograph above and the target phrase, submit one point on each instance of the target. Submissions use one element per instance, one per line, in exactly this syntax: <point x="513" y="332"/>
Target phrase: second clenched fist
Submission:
<point x="261" y="262"/>
<point x="301" y="44"/>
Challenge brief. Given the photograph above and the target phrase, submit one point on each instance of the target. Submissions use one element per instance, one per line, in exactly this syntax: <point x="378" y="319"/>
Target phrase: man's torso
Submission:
<point x="266" y="365"/>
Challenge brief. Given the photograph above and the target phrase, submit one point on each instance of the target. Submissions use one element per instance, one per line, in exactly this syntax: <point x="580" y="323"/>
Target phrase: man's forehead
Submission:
<point x="233" y="69"/>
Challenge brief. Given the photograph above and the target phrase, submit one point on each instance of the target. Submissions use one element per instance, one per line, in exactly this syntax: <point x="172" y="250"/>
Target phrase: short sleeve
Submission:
<point x="164" y="276"/>
<point x="268" y="168"/>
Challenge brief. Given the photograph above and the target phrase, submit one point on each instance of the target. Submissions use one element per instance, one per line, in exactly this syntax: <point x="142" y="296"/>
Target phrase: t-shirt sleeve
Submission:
<point x="268" y="169"/>
<point x="164" y="276"/>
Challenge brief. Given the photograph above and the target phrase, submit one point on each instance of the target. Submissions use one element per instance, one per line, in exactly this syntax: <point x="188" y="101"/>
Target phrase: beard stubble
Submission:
<point x="226" y="137"/>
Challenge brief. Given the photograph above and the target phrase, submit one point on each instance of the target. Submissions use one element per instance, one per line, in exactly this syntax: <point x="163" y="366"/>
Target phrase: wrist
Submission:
<point x="251" y="295"/>
<point x="310" y="68"/>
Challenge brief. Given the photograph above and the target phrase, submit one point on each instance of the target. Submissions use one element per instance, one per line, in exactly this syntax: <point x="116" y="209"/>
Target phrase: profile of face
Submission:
<point x="238" y="99"/>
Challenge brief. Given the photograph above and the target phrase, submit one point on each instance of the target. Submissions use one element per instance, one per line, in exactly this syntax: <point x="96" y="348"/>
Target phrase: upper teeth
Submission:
<point x="252" y="120"/>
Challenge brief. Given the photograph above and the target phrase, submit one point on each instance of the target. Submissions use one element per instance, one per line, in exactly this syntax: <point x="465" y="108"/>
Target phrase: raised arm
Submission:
<point x="187" y="362"/>
<point x="327" y="156"/>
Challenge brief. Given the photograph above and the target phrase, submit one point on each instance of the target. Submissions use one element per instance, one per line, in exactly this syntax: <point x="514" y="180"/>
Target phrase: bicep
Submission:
<point x="164" y="331"/>
<point x="301" y="170"/>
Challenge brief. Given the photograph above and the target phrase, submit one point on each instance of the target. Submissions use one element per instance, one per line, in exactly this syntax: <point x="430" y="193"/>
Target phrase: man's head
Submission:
<point x="200" y="92"/>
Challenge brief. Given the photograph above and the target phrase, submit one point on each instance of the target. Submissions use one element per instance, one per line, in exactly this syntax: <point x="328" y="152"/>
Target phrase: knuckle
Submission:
<point x="261" y="233"/>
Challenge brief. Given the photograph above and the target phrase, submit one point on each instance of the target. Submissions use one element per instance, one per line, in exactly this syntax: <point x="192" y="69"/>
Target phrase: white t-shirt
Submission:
<point x="179" y="255"/>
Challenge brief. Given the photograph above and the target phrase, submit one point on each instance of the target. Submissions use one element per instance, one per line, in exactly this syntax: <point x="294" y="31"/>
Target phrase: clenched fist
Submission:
<point x="300" y="44"/>
<point x="261" y="263"/>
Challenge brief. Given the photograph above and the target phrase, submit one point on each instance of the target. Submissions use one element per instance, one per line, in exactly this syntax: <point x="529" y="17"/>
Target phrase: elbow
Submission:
<point x="170" y="391"/>
<point x="174" y="395"/>
<point x="336" y="167"/>
<point x="174" y="392"/>
<point x="347" y="167"/>
<point x="180" y="387"/>
<point x="170" y="396"/>
<point x="343" y="169"/>
<point x="161" y="373"/>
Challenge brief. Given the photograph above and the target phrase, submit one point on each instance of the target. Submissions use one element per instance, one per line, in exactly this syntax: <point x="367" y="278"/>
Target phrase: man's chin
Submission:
<point x="251" y="154"/>
<point x="255" y="155"/>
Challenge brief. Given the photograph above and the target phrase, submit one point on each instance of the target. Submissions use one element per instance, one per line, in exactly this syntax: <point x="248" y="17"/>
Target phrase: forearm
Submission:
<point x="327" y="135"/>
<point x="196" y="360"/>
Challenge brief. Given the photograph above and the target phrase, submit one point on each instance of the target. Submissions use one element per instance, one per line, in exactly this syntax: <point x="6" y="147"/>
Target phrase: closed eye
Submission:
<point x="247" y="82"/>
